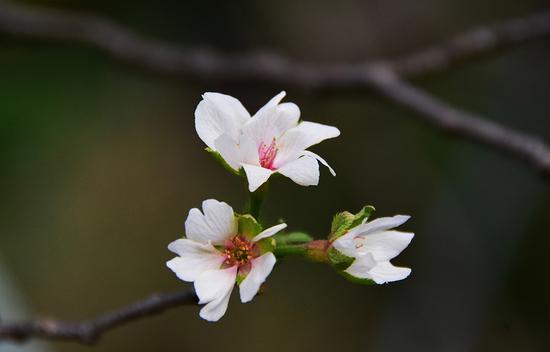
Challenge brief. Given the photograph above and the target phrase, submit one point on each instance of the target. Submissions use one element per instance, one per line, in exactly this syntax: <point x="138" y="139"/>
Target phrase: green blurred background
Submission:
<point x="101" y="163"/>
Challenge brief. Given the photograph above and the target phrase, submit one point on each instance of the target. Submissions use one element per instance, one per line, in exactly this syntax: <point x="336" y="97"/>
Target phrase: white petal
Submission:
<point x="377" y="225"/>
<point x="312" y="133"/>
<point x="214" y="287"/>
<point x="361" y="266"/>
<point x="272" y="103"/>
<point x="271" y="121"/>
<point x="385" y="272"/>
<point x="304" y="171"/>
<point x="229" y="150"/>
<point x="268" y="232"/>
<point x="383" y="224"/>
<point x="261" y="268"/>
<point x="217" y="223"/>
<point x="256" y="176"/>
<point x="321" y="160"/>
<point x="346" y="244"/>
<point x="249" y="151"/>
<point x="194" y="259"/>
<point x="213" y="284"/>
<point x="216" y="309"/>
<point x="385" y="245"/>
<point x="217" y="114"/>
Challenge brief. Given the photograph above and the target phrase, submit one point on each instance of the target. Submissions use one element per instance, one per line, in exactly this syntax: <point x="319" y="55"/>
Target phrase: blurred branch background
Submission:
<point x="101" y="163"/>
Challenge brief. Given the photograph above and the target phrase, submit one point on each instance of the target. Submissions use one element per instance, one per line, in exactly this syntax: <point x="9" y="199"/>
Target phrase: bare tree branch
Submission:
<point x="462" y="123"/>
<point x="382" y="77"/>
<point x="126" y="46"/>
<point x="90" y="331"/>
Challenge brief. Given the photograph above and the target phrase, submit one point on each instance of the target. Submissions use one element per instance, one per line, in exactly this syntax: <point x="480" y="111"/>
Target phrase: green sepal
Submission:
<point x="338" y="260"/>
<point x="224" y="163"/>
<point x="248" y="226"/>
<point x="344" y="221"/>
<point x="240" y="278"/>
<point x="357" y="280"/>
<point x="340" y="224"/>
<point x="362" y="215"/>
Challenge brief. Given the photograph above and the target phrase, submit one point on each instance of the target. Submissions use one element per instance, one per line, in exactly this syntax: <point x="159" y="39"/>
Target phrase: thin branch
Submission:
<point x="90" y="331"/>
<point x="126" y="46"/>
<point x="123" y="44"/>
<point x="465" y="124"/>
<point x="382" y="77"/>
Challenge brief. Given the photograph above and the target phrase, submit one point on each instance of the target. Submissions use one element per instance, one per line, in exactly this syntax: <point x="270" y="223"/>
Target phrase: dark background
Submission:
<point x="100" y="164"/>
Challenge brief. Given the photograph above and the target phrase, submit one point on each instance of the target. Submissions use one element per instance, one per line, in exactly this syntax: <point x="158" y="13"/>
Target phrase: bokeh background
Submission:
<point x="100" y="163"/>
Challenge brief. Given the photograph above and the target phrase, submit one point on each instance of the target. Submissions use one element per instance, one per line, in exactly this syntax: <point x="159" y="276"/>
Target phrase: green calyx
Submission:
<point x="344" y="221"/>
<point x="224" y="163"/>
<point x="338" y="260"/>
<point x="249" y="227"/>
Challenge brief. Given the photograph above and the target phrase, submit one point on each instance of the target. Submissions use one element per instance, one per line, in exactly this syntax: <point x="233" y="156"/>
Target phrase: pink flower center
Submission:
<point x="267" y="154"/>
<point x="239" y="251"/>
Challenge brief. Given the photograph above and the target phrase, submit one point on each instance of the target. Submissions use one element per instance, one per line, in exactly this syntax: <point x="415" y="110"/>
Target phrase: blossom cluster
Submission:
<point x="222" y="248"/>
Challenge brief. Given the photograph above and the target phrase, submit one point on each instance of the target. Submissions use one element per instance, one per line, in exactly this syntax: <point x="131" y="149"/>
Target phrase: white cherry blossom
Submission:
<point x="213" y="254"/>
<point x="373" y="244"/>
<point x="271" y="141"/>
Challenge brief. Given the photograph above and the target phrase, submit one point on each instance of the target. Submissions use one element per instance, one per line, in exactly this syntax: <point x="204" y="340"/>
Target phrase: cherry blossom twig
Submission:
<point x="468" y="125"/>
<point x="126" y="46"/>
<point x="90" y="331"/>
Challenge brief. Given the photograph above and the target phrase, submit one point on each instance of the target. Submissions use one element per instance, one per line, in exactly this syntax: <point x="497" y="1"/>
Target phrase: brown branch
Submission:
<point x="126" y="46"/>
<point x="462" y="123"/>
<point x="90" y="331"/>
<point x="382" y="77"/>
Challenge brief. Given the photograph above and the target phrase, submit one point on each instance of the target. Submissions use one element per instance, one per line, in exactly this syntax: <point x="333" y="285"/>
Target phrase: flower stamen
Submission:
<point x="238" y="251"/>
<point x="267" y="154"/>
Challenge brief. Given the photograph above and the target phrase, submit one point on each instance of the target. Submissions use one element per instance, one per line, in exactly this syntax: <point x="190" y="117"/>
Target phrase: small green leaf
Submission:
<point x="248" y="226"/>
<point x="344" y="221"/>
<point x="362" y="215"/>
<point x="224" y="163"/>
<point x="340" y="224"/>
<point x="339" y="260"/>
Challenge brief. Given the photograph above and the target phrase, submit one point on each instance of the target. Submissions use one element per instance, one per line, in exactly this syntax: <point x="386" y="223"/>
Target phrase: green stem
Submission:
<point x="289" y="250"/>
<point x="313" y="250"/>
<point x="255" y="200"/>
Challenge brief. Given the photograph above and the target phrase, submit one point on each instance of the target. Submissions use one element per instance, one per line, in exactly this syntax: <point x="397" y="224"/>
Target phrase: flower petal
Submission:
<point x="385" y="245"/>
<point x="216" y="309"/>
<point x="310" y="133"/>
<point x="268" y="232"/>
<point x="346" y="245"/>
<point x="214" y="287"/>
<point x="217" y="223"/>
<point x="261" y="268"/>
<point x="217" y="114"/>
<point x="361" y="266"/>
<point x="271" y="121"/>
<point x="383" y="224"/>
<point x="377" y="225"/>
<point x="304" y="171"/>
<point x="321" y="160"/>
<point x="256" y="176"/>
<point x="386" y="272"/>
<point x="194" y="259"/>
<point x="229" y="150"/>
<point x="215" y="283"/>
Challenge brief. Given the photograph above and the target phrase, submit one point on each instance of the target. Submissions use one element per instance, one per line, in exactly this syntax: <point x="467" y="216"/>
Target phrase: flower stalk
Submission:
<point x="255" y="201"/>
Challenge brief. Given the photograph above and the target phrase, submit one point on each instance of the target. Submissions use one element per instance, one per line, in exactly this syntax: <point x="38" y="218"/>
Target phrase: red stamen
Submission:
<point x="267" y="154"/>
<point x="239" y="251"/>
